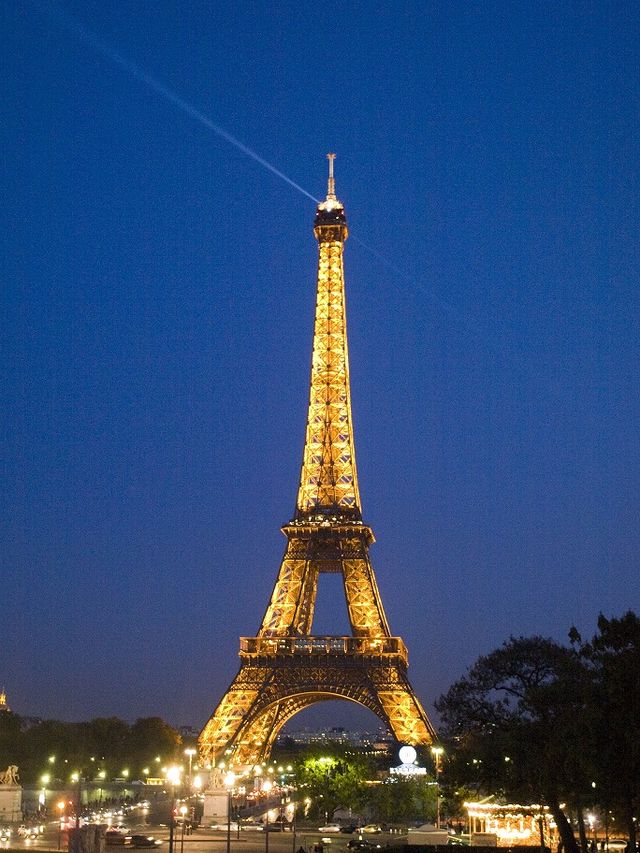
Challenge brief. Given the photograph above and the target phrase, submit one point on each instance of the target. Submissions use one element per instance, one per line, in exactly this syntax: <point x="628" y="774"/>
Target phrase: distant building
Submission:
<point x="379" y="741"/>
<point x="188" y="733"/>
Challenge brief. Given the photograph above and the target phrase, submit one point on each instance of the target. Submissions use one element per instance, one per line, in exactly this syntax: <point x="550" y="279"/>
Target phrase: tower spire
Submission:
<point x="331" y="187"/>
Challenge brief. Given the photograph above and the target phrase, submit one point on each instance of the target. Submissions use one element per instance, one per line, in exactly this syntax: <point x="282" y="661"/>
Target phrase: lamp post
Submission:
<point x="42" y="798"/>
<point x="183" y="812"/>
<point x="229" y="781"/>
<point x="190" y="752"/>
<point x="75" y="777"/>
<point x="173" y="777"/>
<point x="61" y="806"/>
<point x="437" y="751"/>
<point x="266" y="787"/>
<point x="293" y="828"/>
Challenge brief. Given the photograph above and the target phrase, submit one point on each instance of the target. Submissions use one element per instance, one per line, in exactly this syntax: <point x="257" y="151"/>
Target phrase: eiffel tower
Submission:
<point x="286" y="668"/>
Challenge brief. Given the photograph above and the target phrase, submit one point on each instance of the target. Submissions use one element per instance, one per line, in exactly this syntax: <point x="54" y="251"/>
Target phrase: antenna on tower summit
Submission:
<point x="331" y="188"/>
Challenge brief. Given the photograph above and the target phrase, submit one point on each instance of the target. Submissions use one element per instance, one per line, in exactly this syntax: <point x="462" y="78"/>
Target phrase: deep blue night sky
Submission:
<point x="158" y="307"/>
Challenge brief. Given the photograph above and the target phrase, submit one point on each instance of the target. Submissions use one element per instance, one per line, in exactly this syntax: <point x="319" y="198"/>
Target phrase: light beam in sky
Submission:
<point x="70" y="24"/>
<point x="90" y="38"/>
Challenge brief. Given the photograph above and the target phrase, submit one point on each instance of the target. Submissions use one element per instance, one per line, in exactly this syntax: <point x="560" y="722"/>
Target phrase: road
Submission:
<point x="209" y="841"/>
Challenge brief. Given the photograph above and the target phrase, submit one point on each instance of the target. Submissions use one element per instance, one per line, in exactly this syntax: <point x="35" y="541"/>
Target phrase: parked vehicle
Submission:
<point x="616" y="845"/>
<point x="330" y="827"/>
<point x="114" y="837"/>
<point x="145" y="841"/>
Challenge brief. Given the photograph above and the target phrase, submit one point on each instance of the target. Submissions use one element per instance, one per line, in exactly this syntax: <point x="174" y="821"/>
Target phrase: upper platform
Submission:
<point x="330" y="223"/>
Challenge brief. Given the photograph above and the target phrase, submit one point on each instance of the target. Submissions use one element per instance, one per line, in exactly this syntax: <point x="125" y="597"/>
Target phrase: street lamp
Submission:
<point x="437" y="752"/>
<point x="75" y="778"/>
<point x="183" y="812"/>
<point x="61" y="805"/>
<point x="229" y="781"/>
<point x="190" y="753"/>
<point x="267" y="785"/>
<point x="173" y="777"/>
<point x="42" y="797"/>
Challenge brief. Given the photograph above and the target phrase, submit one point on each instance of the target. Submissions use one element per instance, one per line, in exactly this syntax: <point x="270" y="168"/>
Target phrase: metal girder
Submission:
<point x="328" y="479"/>
<point x="292" y="604"/>
<point x="262" y="699"/>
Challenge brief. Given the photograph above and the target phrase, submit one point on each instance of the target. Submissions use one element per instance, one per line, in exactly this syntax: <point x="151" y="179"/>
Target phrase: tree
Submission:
<point x="332" y="776"/>
<point x="520" y="721"/>
<point x="151" y="736"/>
<point x="613" y="656"/>
<point x="10" y="739"/>
<point x="105" y="742"/>
<point x="400" y="799"/>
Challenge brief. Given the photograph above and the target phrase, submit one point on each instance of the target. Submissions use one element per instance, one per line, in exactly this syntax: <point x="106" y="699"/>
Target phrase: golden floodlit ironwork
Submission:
<point x="286" y="668"/>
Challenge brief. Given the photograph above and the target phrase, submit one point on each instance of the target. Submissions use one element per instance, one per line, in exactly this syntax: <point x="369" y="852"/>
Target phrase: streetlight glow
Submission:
<point x="173" y="775"/>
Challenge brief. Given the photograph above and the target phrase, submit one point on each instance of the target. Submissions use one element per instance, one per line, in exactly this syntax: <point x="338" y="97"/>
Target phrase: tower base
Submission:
<point x="10" y="803"/>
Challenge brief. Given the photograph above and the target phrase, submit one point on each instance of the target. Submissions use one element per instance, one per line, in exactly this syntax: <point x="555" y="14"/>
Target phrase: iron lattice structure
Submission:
<point x="285" y="668"/>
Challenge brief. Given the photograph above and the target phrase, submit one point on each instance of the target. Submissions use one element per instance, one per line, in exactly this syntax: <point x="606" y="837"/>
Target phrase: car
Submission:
<point x="113" y="837"/>
<point x="330" y="827"/>
<point x="354" y="844"/>
<point x="371" y="828"/>
<point x="349" y="828"/>
<point x="223" y="827"/>
<point x="30" y="833"/>
<point x="461" y="840"/>
<point x="616" y="845"/>
<point x="5" y="833"/>
<point x="145" y="841"/>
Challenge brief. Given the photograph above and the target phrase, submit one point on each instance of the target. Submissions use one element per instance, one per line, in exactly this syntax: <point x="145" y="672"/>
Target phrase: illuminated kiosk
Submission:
<point x="505" y="825"/>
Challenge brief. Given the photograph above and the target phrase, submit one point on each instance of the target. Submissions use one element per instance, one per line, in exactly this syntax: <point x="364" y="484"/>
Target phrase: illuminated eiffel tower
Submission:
<point x="286" y="668"/>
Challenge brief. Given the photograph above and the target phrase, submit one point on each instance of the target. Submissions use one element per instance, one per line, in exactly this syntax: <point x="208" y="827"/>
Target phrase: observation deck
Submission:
<point x="388" y="649"/>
